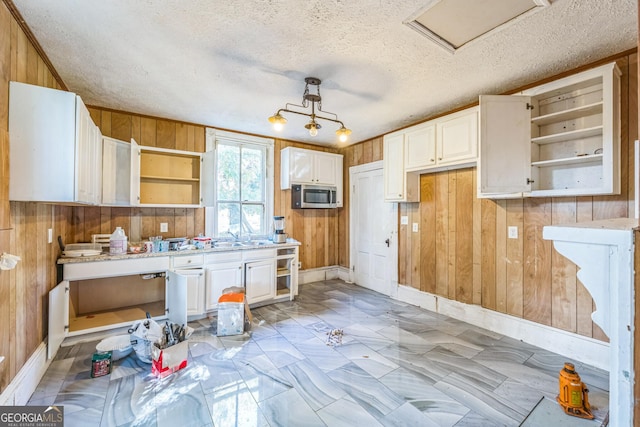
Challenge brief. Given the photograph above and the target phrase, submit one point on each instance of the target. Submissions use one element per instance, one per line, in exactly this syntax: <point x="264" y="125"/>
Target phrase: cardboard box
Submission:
<point x="169" y="360"/>
<point x="234" y="315"/>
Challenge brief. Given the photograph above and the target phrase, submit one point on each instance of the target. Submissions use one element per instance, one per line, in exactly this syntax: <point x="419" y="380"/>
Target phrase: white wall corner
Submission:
<point x="323" y="273"/>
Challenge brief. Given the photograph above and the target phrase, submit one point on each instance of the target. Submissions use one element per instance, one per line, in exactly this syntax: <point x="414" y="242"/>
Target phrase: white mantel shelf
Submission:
<point x="604" y="253"/>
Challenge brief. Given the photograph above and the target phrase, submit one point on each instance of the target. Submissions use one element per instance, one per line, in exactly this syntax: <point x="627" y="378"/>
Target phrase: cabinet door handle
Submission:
<point x="431" y="160"/>
<point x="387" y="242"/>
<point x="530" y="181"/>
<point x="439" y="158"/>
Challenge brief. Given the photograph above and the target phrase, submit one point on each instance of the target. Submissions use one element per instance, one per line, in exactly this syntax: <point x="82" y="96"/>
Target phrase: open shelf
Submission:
<point x="569" y="161"/>
<point x="283" y="272"/>
<point x="567" y="136"/>
<point x="573" y="113"/>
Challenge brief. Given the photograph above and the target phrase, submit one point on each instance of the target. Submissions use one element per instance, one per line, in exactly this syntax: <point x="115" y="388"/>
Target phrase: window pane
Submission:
<point x="252" y="179"/>
<point x="252" y="219"/>
<point x="228" y="167"/>
<point x="228" y="218"/>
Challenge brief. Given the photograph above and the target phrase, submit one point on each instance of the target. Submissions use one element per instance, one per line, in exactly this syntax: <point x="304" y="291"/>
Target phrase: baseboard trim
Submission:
<point x="20" y="389"/>
<point x="583" y="349"/>
<point x="323" y="273"/>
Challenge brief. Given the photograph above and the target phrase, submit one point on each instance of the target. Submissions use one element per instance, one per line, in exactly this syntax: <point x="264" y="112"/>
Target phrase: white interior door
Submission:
<point x="373" y="231"/>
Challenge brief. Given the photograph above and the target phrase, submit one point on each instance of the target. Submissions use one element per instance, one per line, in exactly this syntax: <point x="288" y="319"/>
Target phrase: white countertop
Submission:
<point x="243" y="247"/>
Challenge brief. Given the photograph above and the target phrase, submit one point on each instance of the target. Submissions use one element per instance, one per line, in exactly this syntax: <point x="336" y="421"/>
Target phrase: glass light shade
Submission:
<point x="313" y="127"/>
<point x="343" y="134"/>
<point x="278" y="121"/>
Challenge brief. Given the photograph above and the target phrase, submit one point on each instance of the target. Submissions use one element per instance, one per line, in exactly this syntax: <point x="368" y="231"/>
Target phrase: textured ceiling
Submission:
<point x="232" y="64"/>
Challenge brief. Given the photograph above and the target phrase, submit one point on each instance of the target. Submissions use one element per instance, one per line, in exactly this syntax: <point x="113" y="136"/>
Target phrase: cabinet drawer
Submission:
<point x="223" y="257"/>
<point x="258" y="254"/>
<point x="187" y="261"/>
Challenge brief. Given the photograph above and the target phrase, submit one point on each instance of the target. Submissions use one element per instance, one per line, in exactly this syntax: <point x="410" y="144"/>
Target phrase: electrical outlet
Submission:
<point x="414" y="227"/>
<point x="513" y="232"/>
<point x="164" y="227"/>
<point x="404" y="220"/>
<point x="299" y="265"/>
<point x="50" y="235"/>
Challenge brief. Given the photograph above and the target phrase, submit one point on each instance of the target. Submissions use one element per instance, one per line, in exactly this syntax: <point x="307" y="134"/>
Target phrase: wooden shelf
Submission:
<point x="112" y="317"/>
<point x="569" y="161"/>
<point x="168" y="178"/>
<point x="568" y="136"/>
<point x="283" y="272"/>
<point x="574" y="113"/>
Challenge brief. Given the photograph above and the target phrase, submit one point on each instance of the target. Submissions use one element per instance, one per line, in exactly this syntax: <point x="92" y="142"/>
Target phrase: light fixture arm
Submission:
<point x="312" y="115"/>
<point x="310" y="98"/>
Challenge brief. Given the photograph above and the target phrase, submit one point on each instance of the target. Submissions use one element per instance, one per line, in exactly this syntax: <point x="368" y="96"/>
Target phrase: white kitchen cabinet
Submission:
<point x="222" y="270"/>
<point x="171" y="178"/>
<point x="97" y="296"/>
<point x="457" y="140"/>
<point x="55" y="148"/>
<point x="260" y="280"/>
<point x="399" y="186"/>
<point x="193" y="280"/>
<point x="558" y="139"/>
<point x="287" y="272"/>
<point x="301" y="166"/>
<point x="448" y="142"/>
<point x="420" y="146"/>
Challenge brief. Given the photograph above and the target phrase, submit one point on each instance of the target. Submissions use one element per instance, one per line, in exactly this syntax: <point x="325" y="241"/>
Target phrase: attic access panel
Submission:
<point x="452" y="24"/>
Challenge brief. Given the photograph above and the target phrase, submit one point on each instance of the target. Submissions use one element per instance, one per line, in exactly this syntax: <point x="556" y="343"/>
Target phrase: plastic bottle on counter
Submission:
<point x="118" y="242"/>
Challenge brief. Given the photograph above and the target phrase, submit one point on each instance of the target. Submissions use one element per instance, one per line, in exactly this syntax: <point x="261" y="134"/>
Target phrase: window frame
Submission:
<point x="212" y="138"/>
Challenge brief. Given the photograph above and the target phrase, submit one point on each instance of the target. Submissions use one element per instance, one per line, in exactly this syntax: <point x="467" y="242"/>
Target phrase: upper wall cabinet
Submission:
<point x="300" y="166"/>
<point x="449" y="142"/>
<point x="171" y="178"/>
<point x="399" y="186"/>
<point x="55" y="148"/>
<point x="558" y="139"/>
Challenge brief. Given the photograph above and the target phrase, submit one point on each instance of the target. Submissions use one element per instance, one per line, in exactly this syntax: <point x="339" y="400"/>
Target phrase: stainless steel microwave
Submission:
<point x="306" y="196"/>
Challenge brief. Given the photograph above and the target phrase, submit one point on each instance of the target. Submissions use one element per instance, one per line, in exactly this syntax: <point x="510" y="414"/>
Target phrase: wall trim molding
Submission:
<point x="584" y="349"/>
<point x="323" y="273"/>
<point x="20" y="389"/>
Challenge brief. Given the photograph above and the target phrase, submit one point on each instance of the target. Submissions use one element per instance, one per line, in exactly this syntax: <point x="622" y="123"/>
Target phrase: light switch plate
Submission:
<point x="513" y="232"/>
<point x="164" y="227"/>
<point x="49" y="235"/>
<point x="404" y="220"/>
<point x="414" y="227"/>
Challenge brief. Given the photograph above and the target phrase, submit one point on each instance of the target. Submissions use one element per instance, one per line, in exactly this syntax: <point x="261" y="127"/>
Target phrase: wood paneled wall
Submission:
<point x="317" y="229"/>
<point x="354" y="155"/>
<point x="140" y="223"/>
<point x="23" y="226"/>
<point x="462" y="251"/>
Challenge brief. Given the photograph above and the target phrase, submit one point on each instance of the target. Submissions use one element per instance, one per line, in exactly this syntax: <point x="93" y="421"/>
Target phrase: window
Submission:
<point x="244" y="185"/>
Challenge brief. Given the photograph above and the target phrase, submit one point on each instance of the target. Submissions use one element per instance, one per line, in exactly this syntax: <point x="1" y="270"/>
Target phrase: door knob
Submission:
<point x="387" y="242"/>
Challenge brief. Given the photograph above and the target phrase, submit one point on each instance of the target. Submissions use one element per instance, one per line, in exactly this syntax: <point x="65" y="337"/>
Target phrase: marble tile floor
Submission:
<point x="397" y="365"/>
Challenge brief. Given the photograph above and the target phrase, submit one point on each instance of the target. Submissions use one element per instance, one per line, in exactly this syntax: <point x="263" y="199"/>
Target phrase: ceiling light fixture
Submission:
<point x="315" y="101"/>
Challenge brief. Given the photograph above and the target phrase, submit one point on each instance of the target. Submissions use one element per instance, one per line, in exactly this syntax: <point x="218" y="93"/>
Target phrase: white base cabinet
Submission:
<point x="99" y="295"/>
<point x="558" y="139"/>
<point x="222" y="270"/>
<point x="260" y="280"/>
<point x="193" y="281"/>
